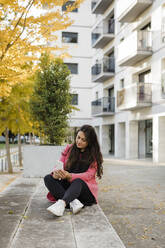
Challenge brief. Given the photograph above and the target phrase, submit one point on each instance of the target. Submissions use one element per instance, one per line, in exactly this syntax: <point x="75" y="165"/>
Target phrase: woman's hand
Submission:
<point x="63" y="174"/>
<point x="56" y="175"/>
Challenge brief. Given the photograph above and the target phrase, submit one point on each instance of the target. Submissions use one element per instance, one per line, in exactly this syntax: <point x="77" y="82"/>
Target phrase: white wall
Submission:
<point x="120" y="144"/>
<point x="105" y="141"/>
<point x="81" y="53"/>
<point x="84" y="101"/>
<point x="158" y="138"/>
<point x="131" y="139"/>
<point x="39" y="161"/>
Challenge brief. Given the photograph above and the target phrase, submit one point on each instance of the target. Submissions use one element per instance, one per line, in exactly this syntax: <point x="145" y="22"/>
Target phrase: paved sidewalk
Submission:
<point x="143" y="161"/>
<point x="25" y="222"/>
<point x="132" y="197"/>
<point x="6" y="179"/>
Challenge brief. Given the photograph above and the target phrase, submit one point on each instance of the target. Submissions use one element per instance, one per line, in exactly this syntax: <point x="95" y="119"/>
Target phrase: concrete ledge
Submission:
<point x="13" y="203"/>
<point x="92" y="229"/>
<point x="33" y="226"/>
<point x="40" y="160"/>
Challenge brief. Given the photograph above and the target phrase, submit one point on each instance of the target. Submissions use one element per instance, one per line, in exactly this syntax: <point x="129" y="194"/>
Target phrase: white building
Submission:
<point x="77" y="38"/>
<point x="128" y="98"/>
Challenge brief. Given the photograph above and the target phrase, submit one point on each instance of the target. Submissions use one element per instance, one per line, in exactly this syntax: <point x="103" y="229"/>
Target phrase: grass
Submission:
<point x="2" y="146"/>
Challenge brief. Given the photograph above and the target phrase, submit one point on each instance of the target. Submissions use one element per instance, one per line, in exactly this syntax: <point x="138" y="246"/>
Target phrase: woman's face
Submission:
<point x="81" y="141"/>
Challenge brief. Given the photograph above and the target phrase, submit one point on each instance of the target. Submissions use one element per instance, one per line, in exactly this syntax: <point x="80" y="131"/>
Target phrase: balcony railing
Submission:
<point x="135" y="48"/>
<point x="99" y="6"/>
<point x="103" y="106"/>
<point x="137" y="95"/>
<point x="103" y="33"/>
<point x="103" y="69"/>
<point x="163" y="83"/>
<point x="144" y="40"/>
<point x="129" y="10"/>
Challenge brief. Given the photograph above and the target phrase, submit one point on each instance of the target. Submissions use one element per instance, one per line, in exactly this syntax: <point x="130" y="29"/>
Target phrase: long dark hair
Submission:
<point x="92" y="151"/>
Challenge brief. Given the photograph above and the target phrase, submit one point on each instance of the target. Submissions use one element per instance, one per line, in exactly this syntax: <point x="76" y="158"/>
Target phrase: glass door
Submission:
<point x="148" y="137"/>
<point x="112" y="139"/>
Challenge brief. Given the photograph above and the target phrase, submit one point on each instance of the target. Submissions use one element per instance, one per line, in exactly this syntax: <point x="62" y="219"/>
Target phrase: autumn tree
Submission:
<point x="51" y="100"/>
<point x="25" y="29"/>
<point x="15" y="115"/>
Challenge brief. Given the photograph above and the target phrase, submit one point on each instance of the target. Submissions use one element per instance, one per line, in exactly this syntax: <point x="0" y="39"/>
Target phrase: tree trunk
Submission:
<point x="10" y="168"/>
<point x="34" y="139"/>
<point x="19" y="150"/>
<point x="30" y="137"/>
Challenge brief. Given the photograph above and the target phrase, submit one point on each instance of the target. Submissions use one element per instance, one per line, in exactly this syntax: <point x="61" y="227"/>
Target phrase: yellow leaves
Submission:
<point x="14" y="108"/>
<point x="145" y="237"/>
<point x="130" y="243"/>
<point x="60" y="221"/>
<point x="112" y="187"/>
<point x="106" y="188"/>
<point x="147" y="233"/>
<point x="70" y="7"/>
<point x="26" y="28"/>
<point x="4" y="90"/>
<point x="157" y="222"/>
<point x="159" y="206"/>
<point x="162" y="212"/>
<point x="10" y="212"/>
<point x="25" y="217"/>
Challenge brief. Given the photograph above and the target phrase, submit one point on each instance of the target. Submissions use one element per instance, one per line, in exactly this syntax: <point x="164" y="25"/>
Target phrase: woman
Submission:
<point x="75" y="185"/>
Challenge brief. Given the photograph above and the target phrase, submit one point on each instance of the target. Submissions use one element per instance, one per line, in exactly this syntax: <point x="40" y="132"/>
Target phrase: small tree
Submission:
<point x="51" y="100"/>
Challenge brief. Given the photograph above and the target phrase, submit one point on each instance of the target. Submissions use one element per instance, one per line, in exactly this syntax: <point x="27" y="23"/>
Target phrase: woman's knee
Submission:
<point x="47" y="178"/>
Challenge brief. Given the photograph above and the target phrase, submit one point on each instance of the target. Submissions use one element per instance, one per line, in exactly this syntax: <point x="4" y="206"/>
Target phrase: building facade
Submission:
<point x="128" y="75"/>
<point x="77" y="39"/>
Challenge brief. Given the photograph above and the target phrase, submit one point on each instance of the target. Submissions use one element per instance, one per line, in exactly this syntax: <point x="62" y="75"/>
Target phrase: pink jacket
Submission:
<point x="88" y="176"/>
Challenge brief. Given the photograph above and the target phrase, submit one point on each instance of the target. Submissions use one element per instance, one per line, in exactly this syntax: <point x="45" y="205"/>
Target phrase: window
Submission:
<point x="111" y="25"/>
<point x="111" y="92"/>
<point x="122" y="83"/>
<point x="74" y="99"/>
<point x="64" y="7"/>
<point x="145" y="77"/>
<point x="69" y="37"/>
<point x="73" y="67"/>
<point x="122" y="39"/>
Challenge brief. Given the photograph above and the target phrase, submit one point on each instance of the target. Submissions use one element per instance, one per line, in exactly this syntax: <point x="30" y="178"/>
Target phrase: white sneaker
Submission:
<point x="57" y="208"/>
<point x="76" y="206"/>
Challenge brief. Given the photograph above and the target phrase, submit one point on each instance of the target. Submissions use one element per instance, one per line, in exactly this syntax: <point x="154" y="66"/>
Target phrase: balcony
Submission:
<point x="103" y="106"/>
<point x="135" y="96"/>
<point x="129" y="10"/>
<point x="135" y="48"/>
<point x="100" y="6"/>
<point x="103" y="34"/>
<point x="103" y="69"/>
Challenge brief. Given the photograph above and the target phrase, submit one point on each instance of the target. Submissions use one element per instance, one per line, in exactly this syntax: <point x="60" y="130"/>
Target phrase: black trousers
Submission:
<point x="62" y="189"/>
